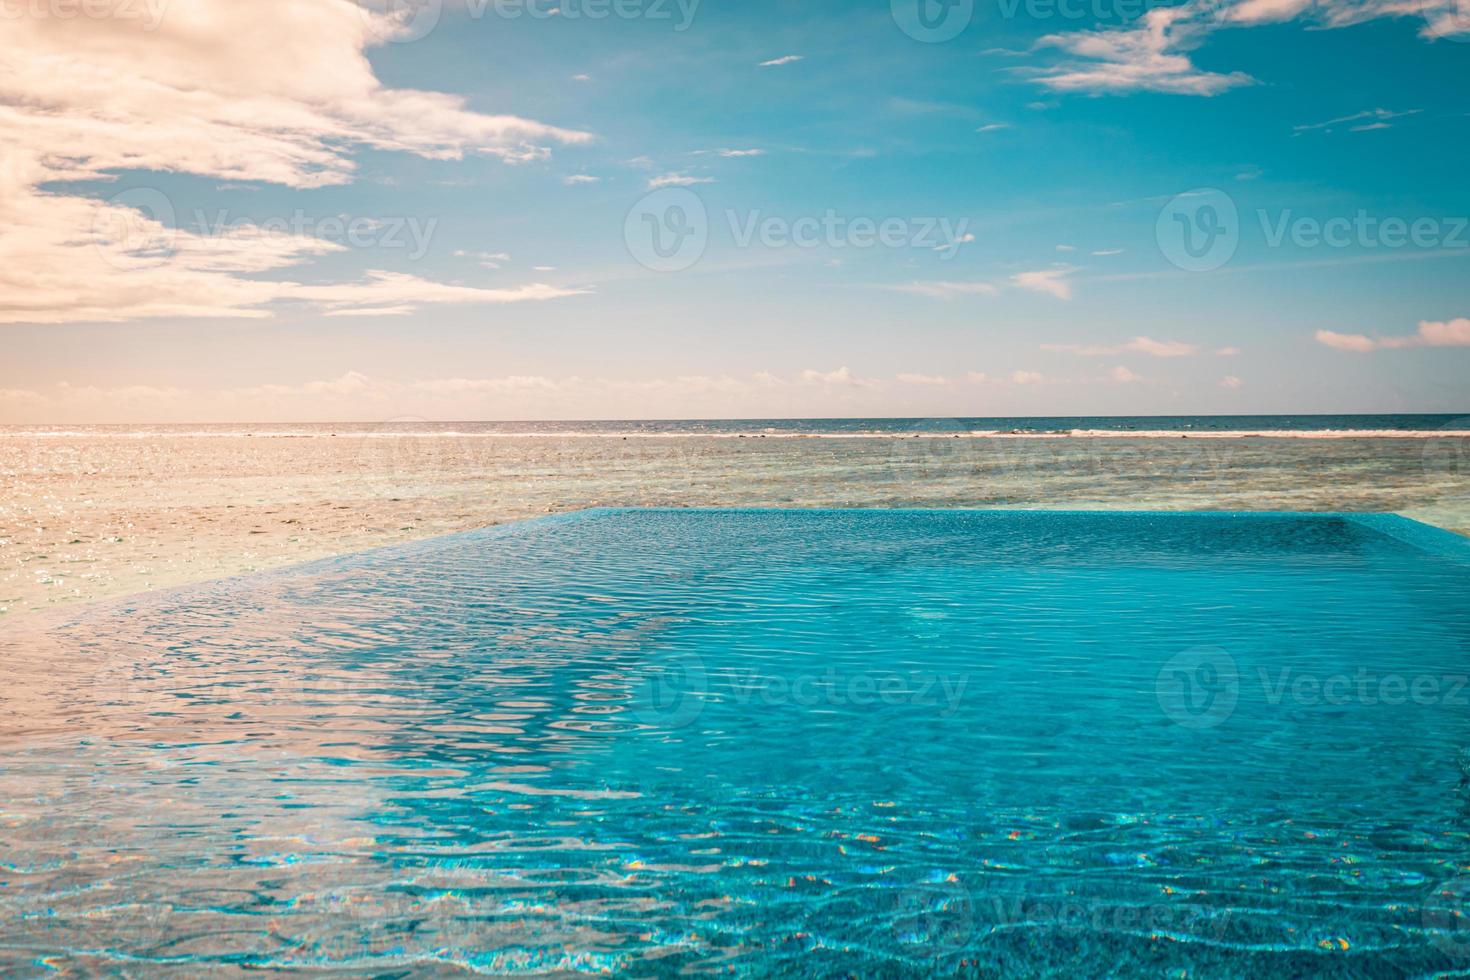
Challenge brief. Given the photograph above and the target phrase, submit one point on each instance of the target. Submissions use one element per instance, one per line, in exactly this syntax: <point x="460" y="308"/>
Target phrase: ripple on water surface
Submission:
<point x="762" y="741"/>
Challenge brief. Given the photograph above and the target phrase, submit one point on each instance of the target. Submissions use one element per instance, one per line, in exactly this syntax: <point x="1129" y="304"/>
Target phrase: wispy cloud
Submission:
<point x="785" y="59"/>
<point x="393" y="293"/>
<point x="1138" y="345"/>
<point x="944" y="290"/>
<point x="574" y="179"/>
<point x="1153" y="54"/>
<point x="1369" y="119"/>
<point x="964" y="239"/>
<point x="677" y="180"/>
<point x="993" y="127"/>
<point x="741" y="153"/>
<point x="1149" y="57"/>
<point x="840" y="376"/>
<point x="1053" y="282"/>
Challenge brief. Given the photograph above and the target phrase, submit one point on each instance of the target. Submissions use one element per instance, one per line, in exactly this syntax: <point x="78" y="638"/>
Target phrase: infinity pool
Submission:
<point x="762" y="742"/>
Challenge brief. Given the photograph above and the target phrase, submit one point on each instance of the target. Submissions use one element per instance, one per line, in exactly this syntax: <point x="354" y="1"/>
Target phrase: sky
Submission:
<point x="323" y="210"/>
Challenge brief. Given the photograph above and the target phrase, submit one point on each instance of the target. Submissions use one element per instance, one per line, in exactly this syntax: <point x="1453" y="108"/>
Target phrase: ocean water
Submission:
<point x="95" y="512"/>
<point x="763" y="743"/>
<point x="1326" y="426"/>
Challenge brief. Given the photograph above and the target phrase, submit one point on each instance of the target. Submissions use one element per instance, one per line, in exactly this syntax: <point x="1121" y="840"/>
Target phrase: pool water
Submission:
<point x="762" y="742"/>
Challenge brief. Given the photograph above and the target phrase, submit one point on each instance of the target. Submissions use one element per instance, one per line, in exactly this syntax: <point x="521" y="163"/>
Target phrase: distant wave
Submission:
<point x="153" y="432"/>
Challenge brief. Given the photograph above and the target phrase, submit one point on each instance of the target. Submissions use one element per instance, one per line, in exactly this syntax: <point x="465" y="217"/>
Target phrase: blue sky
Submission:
<point x="1036" y="171"/>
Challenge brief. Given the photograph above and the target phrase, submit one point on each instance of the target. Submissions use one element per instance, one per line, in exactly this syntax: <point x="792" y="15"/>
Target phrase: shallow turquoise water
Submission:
<point x="766" y="742"/>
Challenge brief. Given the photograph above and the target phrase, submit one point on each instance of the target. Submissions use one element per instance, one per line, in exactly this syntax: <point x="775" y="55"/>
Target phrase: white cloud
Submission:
<point x="381" y="293"/>
<point x="785" y="59"/>
<point x="1230" y="382"/>
<point x="841" y="376"/>
<point x="1153" y="54"/>
<point x="1266" y="11"/>
<point x="1431" y="333"/>
<point x="1108" y="251"/>
<point x="1053" y="282"/>
<point x="572" y="180"/>
<point x="922" y="379"/>
<point x="676" y="180"/>
<point x="1138" y="345"/>
<point x="1450" y="333"/>
<point x="1066" y="248"/>
<point x="490" y="260"/>
<point x="993" y="127"/>
<point x="1160" y="348"/>
<point x="1123" y="376"/>
<point x="1346" y="341"/>
<point x="582" y="78"/>
<point x="945" y="290"/>
<point x="1027" y="377"/>
<point x="741" y="153"/>
<point x="275" y="90"/>
<point x="1149" y="57"/>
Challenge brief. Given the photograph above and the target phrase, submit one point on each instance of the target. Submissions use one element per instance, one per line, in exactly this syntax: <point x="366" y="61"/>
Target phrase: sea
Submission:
<point x="90" y="512"/>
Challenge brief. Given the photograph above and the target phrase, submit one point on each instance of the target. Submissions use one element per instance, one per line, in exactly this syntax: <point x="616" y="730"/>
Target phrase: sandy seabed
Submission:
<point x="91" y="517"/>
